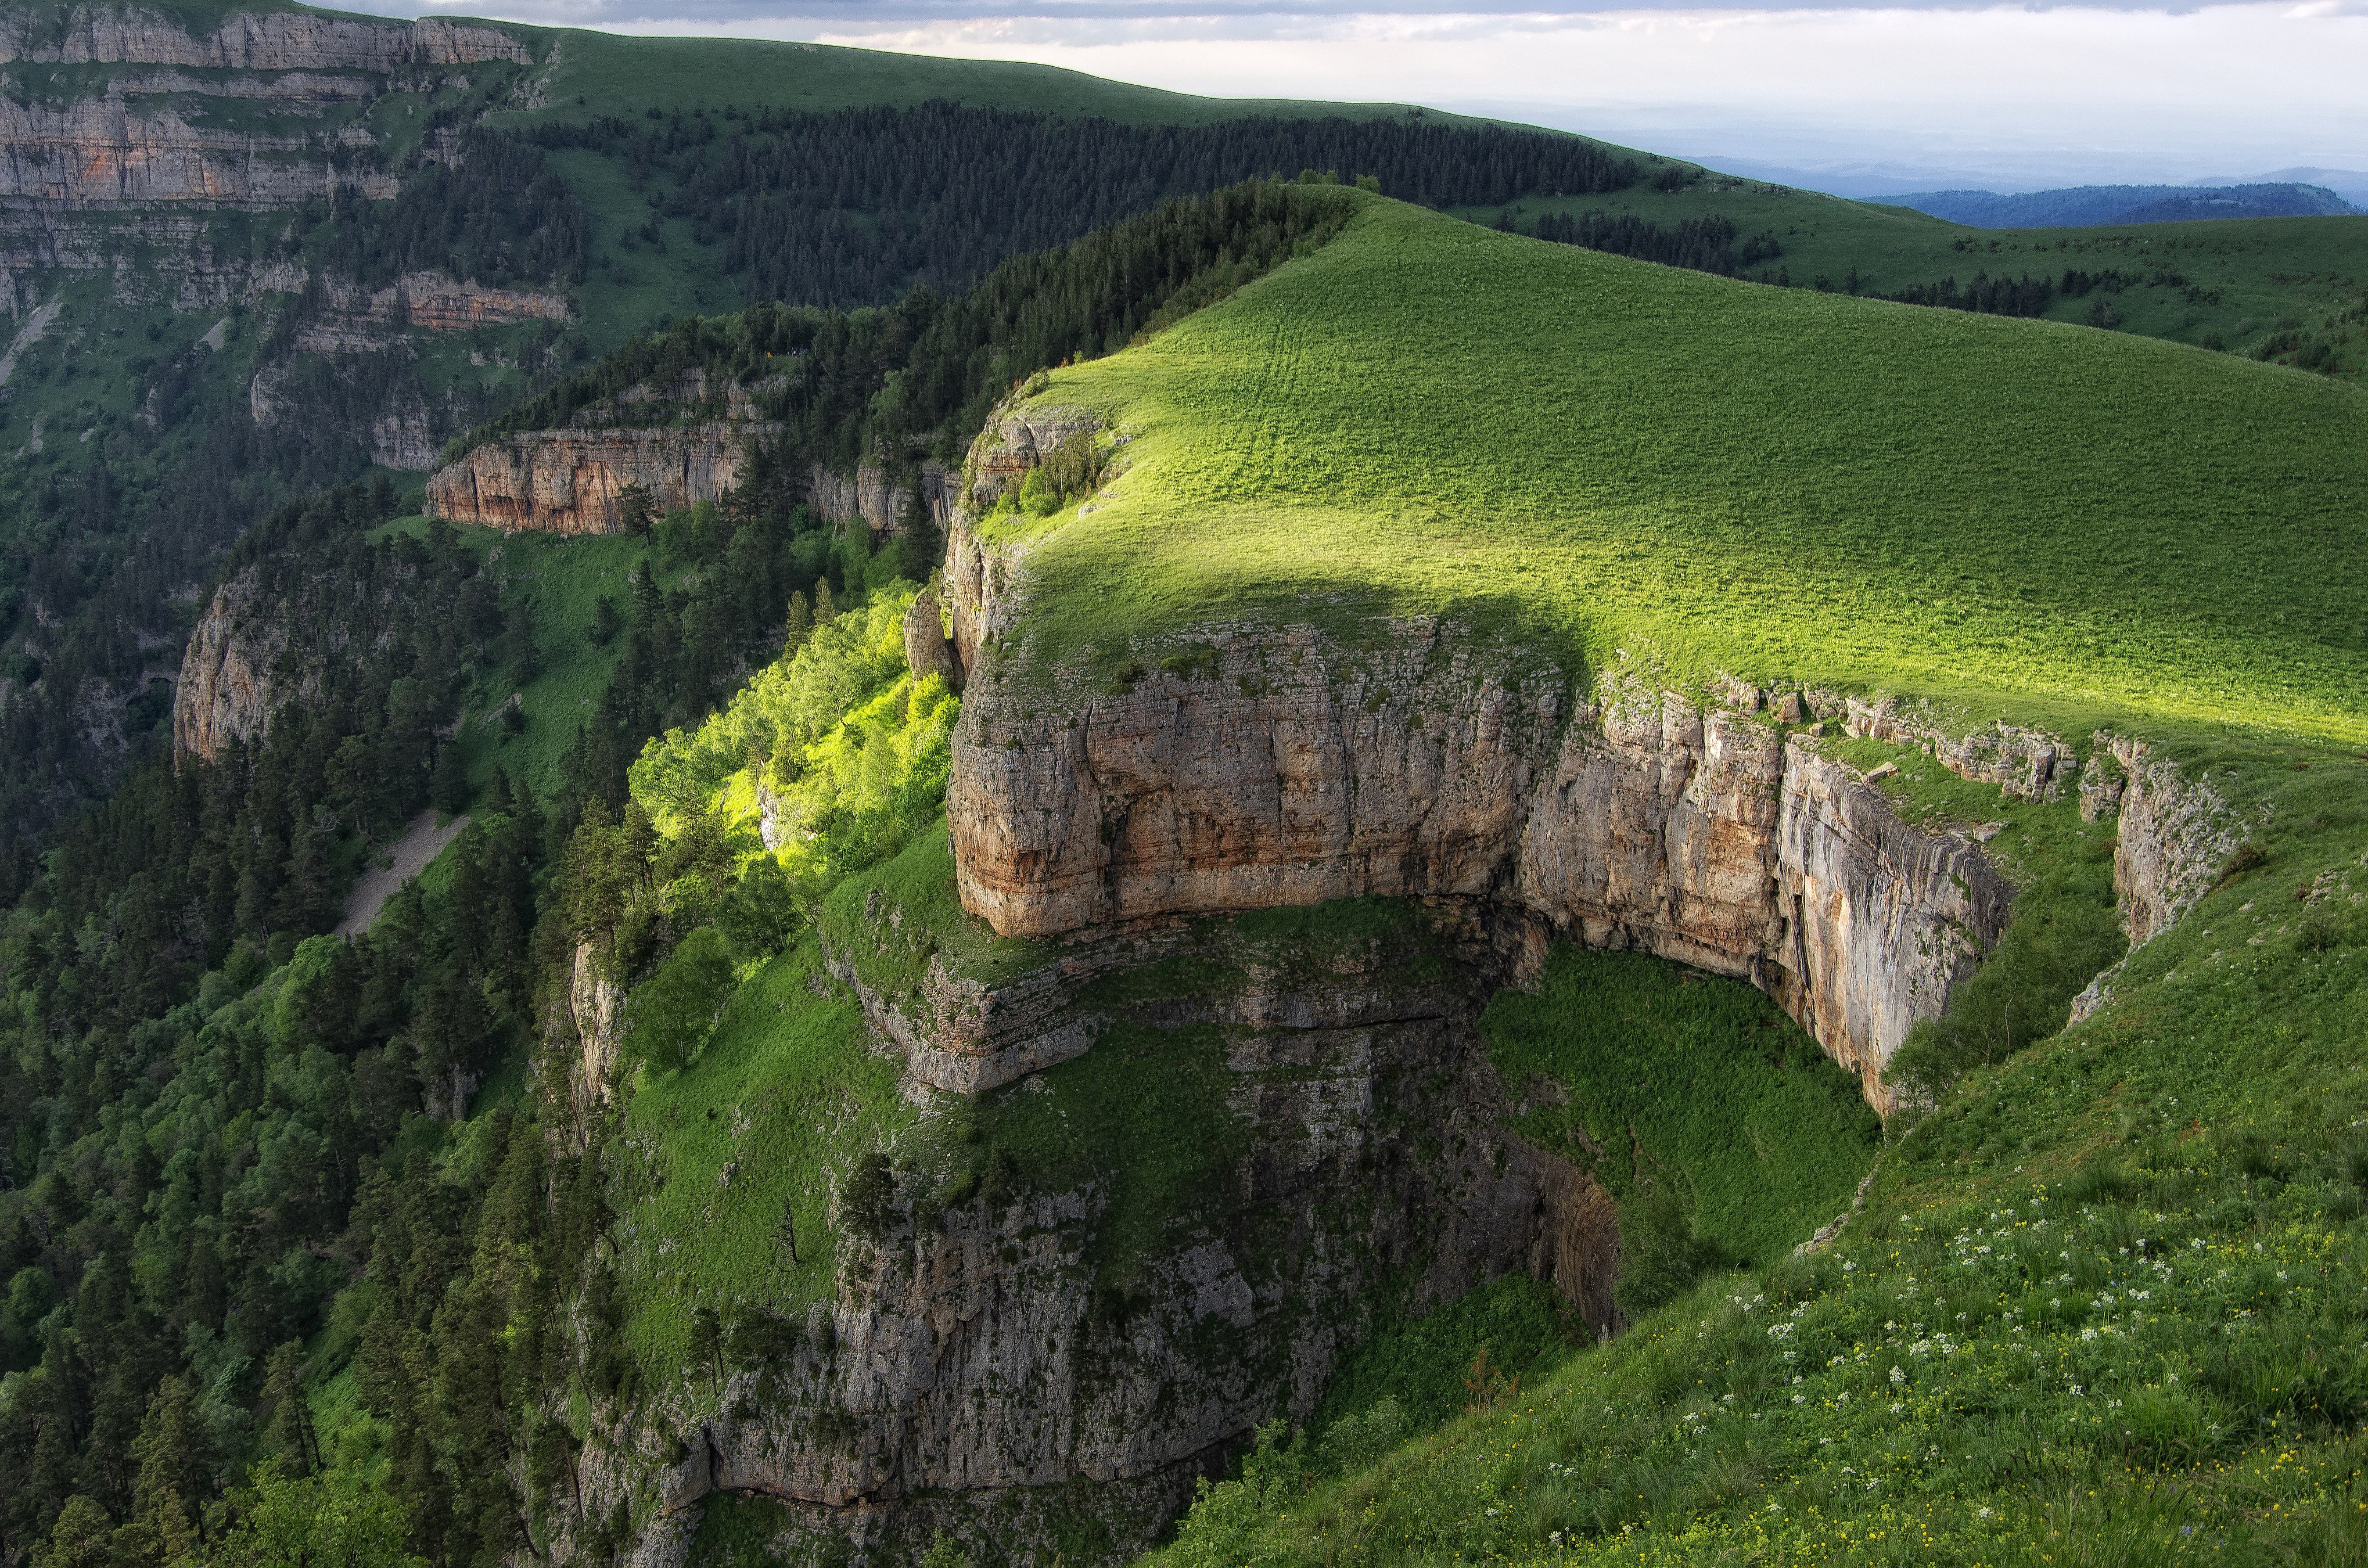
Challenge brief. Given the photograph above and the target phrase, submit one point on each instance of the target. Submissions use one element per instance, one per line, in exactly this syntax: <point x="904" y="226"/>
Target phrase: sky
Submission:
<point x="1861" y="99"/>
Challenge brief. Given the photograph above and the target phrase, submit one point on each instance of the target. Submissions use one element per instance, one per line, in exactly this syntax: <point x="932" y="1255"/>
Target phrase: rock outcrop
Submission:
<point x="224" y="693"/>
<point x="2024" y="763"/>
<point x="293" y="41"/>
<point x="2177" y="833"/>
<point x="573" y="482"/>
<point x="869" y="496"/>
<point x="105" y="153"/>
<point x="1278" y="768"/>
<point x="595" y="1008"/>
<point x="1003" y="1347"/>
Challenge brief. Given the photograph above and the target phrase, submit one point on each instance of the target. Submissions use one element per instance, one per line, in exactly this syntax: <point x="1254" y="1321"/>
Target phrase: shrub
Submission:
<point x="675" y="1011"/>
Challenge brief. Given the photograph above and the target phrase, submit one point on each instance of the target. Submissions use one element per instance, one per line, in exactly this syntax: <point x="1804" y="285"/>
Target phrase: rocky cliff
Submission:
<point x="1280" y="768"/>
<point x="108" y="35"/>
<point x="224" y="693"/>
<point x="573" y="482"/>
<point x="106" y="151"/>
<point x="1001" y="1363"/>
<point x="870" y="497"/>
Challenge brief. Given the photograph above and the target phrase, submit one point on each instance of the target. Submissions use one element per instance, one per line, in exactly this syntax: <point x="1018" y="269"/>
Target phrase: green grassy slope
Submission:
<point x="2103" y="1306"/>
<point x="2250" y="286"/>
<point x="2103" y="1302"/>
<point x="2031" y="518"/>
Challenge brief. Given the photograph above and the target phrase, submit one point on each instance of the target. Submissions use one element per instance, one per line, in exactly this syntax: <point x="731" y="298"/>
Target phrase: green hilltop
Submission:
<point x="2102" y="1301"/>
<point x="2031" y="519"/>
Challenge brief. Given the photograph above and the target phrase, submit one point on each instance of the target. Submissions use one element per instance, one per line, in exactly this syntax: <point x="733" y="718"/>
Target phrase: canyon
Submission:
<point x="966" y="1373"/>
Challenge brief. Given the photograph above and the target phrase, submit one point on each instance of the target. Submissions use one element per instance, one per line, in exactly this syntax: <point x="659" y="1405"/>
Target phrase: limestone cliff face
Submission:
<point x="224" y="693"/>
<point x="2176" y="834"/>
<point x="985" y="1351"/>
<point x="1286" y="769"/>
<point x="105" y="153"/>
<point x="869" y="496"/>
<point x="595" y="1008"/>
<point x="572" y="481"/>
<point x="284" y="42"/>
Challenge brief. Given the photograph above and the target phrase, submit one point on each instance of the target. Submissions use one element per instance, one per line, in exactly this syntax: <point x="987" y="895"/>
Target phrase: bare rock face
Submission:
<point x="103" y="152"/>
<point x="1278" y="771"/>
<point x="991" y="1347"/>
<point x="251" y="42"/>
<point x="1285" y="770"/>
<point x="225" y="694"/>
<point x="595" y="1006"/>
<point x="2024" y="763"/>
<point x="868" y="497"/>
<point x="573" y="482"/>
<point x="927" y="651"/>
<point x="1016" y="439"/>
<point x="2176" y="834"/>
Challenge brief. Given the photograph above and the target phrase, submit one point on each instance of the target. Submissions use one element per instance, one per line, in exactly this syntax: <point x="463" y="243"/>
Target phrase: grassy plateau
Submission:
<point x="2024" y="517"/>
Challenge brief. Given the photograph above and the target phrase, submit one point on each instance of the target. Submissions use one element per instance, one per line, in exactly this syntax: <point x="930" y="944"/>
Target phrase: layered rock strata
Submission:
<point x="869" y="496"/>
<point x="293" y="41"/>
<point x="2176" y="834"/>
<point x="982" y="1359"/>
<point x="1282" y="767"/>
<point x="574" y="481"/>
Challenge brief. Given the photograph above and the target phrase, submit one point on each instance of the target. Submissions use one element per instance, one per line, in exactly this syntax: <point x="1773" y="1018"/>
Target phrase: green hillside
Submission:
<point x="2031" y="519"/>
<point x="2294" y="289"/>
<point x="2102" y="1302"/>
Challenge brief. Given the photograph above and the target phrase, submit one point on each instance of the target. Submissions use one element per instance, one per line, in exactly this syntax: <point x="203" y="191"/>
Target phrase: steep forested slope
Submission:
<point x="249" y="252"/>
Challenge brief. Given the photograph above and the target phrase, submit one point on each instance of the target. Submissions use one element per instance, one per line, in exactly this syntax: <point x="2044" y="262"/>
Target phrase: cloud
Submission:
<point x="2004" y="96"/>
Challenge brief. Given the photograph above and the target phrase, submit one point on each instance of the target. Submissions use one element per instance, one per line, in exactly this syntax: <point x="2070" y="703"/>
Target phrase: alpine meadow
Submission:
<point x="780" y="804"/>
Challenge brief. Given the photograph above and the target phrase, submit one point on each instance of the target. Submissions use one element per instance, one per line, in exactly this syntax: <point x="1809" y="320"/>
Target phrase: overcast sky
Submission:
<point x="1867" y="98"/>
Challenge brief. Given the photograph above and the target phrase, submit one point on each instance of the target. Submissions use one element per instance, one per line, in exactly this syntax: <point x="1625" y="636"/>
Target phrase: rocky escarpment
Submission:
<point x="1280" y="768"/>
<point x="681" y="444"/>
<point x="106" y="151"/>
<point x="293" y="40"/>
<point x="225" y="692"/>
<point x="2175" y="833"/>
<point x="574" y="481"/>
<point x="996" y="1360"/>
<point x="874" y="498"/>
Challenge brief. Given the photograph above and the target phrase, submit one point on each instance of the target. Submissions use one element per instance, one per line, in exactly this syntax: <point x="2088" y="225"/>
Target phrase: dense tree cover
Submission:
<point x="1705" y="244"/>
<point x="241" y="1160"/>
<point x="2000" y="296"/>
<point x="1708" y="244"/>
<point x="107" y="542"/>
<point x="856" y="207"/>
<point x="496" y="212"/>
<point x="919" y="376"/>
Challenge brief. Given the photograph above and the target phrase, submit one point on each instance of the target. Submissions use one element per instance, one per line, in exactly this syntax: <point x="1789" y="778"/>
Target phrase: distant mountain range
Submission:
<point x="2093" y="206"/>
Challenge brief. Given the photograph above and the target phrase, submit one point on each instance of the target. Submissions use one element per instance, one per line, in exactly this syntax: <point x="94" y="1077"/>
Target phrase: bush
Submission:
<point x="675" y="1011"/>
<point x="1660" y="1251"/>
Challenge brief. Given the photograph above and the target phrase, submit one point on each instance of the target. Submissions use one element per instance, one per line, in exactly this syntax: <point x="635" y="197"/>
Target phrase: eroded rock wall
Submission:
<point x="1282" y="768"/>
<point x="871" y="498"/>
<point x="224" y="693"/>
<point x="2176" y="834"/>
<point x="105" y="34"/>
<point x="573" y="482"/>
<point x="981" y="1361"/>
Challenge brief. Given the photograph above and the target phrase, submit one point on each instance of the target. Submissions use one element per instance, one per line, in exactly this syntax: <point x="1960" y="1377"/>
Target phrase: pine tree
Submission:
<point x="171" y="1449"/>
<point x="290" y="1433"/>
<point x="448" y="785"/>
